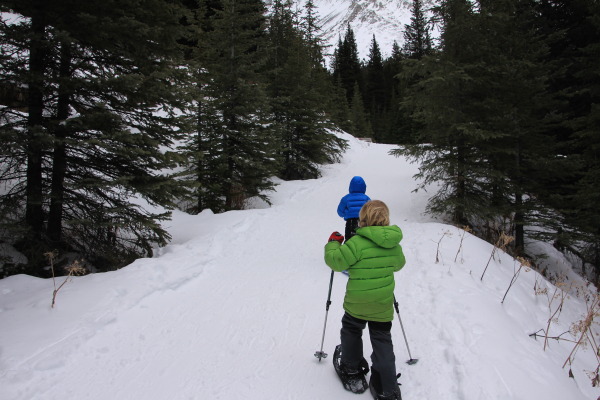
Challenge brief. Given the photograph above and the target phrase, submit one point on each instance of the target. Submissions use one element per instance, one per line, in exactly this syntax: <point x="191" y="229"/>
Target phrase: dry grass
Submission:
<point x="523" y="263"/>
<point x="502" y="243"/>
<point x="465" y="229"/>
<point x="73" y="269"/>
<point x="581" y="331"/>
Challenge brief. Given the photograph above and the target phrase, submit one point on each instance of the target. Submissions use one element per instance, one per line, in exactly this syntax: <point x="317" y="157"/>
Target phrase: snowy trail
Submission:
<point x="234" y="308"/>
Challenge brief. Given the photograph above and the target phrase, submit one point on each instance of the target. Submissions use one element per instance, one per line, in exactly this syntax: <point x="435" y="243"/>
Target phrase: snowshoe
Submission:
<point x="376" y="389"/>
<point x="353" y="380"/>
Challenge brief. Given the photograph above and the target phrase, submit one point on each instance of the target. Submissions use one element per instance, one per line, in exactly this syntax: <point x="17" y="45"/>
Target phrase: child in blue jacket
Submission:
<point x="351" y="204"/>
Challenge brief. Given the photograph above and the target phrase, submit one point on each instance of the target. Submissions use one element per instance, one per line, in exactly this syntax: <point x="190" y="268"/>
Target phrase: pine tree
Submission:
<point x="346" y="65"/>
<point x="417" y="44"/>
<point x="439" y="101"/>
<point x="417" y="36"/>
<point x="511" y="114"/>
<point x="361" y="127"/>
<point x="586" y="129"/>
<point x="25" y="51"/>
<point x="573" y="32"/>
<point x="338" y="107"/>
<point x="312" y="32"/>
<point x="298" y="88"/>
<point x="482" y="103"/>
<point x="242" y="144"/>
<point x="202" y="166"/>
<point x="375" y="90"/>
<point x="94" y="127"/>
<point x="396" y="127"/>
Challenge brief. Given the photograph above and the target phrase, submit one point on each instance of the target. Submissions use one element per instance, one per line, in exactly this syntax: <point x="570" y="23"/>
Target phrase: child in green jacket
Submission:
<point x="371" y="258"/>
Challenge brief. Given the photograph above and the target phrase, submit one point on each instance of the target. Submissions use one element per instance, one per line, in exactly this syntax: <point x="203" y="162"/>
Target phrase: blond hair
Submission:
<point x="374" y="213"/>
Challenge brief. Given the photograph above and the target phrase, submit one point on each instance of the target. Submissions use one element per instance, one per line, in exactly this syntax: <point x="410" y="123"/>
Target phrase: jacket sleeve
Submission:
<point x="401" y="261"/>
<point x="341" y="210"/>
<point x="340" y="257"/>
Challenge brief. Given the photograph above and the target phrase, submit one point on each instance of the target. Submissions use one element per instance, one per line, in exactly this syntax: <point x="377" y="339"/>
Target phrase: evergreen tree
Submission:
<point x="361" y="127"/>
<point x="482" y="103"/>
<point x="312" y="32"/>
<point x="298" y="89"/>
<point x="439" y="100"/>
<point x="513" y="108"/>
<point x="586" y="133"/>
<point x="417" y="36"/>
<point x="417" y="44"/>
<point x="242" y="143"/>
<point x="25" y="52"/>
<point x="396" y="122"/>
<point x="97" y="116"/>
<point x="375" y="96"/>
<point x="338" y="107"/>
<point x="346" y="65"/>
<point x="201" y="152"/>
<point x="573" y="32"/>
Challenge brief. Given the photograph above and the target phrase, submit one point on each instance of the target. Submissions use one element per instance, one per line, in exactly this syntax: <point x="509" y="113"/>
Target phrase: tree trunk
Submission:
<point x="34" y="215"/>
<point x="461" y="189"/>
<point x="200" y="166"/>
<point x="519" y="211"/>
<point x="519" y="227"/>
<point x="228" y="185"/>
<point x="59" y="166"/>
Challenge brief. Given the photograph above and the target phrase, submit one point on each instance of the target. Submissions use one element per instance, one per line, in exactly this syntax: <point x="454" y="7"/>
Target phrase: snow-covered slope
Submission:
<point x="383" y="18"/>
<point x="234" y="309"/>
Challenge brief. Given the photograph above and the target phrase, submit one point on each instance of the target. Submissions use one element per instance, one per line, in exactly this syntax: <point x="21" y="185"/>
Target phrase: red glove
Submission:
<point x="336" y="236"/>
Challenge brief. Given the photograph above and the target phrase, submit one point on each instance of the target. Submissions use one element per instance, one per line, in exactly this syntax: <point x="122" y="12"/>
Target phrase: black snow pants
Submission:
<point x="351" y="227"/>
<point x="383" y="368"/>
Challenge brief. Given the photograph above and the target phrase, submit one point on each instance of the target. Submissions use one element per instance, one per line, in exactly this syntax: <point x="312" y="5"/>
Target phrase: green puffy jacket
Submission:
<point x="371" y="258"/>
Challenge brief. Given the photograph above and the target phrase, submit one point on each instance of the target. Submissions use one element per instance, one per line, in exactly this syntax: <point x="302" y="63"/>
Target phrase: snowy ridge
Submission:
<point x="234" y="308"/>
<point x="385" y="19"/>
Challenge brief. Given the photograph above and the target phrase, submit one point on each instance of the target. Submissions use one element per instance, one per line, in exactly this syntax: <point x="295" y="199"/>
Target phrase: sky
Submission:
<point x="234" y="308"/>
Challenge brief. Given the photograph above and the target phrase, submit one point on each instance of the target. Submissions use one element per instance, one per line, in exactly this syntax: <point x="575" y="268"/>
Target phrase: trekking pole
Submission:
<point x="321" y="354"/>
<point x="412" y="360"/>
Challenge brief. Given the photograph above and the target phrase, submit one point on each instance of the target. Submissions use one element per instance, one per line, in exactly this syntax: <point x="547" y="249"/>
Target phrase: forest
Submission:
<point x="113" y="109"/>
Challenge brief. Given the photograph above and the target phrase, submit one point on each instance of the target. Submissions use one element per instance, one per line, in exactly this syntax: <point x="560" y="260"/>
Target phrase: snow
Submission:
<point x="234" y="308"/>
<point x="385" y="19"/>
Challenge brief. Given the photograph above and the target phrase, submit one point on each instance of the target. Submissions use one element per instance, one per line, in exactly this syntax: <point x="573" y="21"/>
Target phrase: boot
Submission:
<point x="375" y="386"/>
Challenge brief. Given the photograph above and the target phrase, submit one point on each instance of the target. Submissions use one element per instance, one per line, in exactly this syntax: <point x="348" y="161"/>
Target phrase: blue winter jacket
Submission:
<point x="351" y="203"/>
